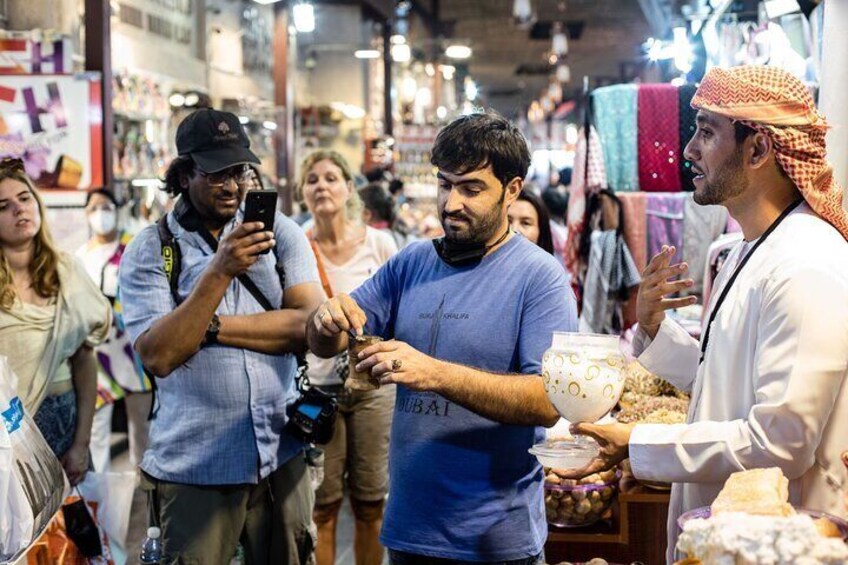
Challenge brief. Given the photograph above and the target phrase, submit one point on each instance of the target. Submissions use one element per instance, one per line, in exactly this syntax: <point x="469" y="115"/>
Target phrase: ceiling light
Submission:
<point x="269" y="125"/>
<point x="409" y="88"/>
<point x="471" y="90"/>
<point x="176" y="100"/>
<point x="458" y="52"/>
<point x="522" y="13"/>
<point x="304" y="17"/>
<point x="441" y="112"/>
<point x="448" y="71"/>
<point x="401" y="53"/>
<point x="266" y="1"/>
<point x="430" y="69"/>
<point x="559" y="41"/>
<point x="244" y="120"/>
<point x="563" y="73"/>
<point x="191" y="99"/>
<point x="397" y="39"/>
<point x="366" y="54"/>
<point x="555" y="91"/>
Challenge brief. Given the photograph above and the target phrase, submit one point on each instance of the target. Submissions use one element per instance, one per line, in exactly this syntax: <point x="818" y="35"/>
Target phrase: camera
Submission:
<point x="312" y="417"/>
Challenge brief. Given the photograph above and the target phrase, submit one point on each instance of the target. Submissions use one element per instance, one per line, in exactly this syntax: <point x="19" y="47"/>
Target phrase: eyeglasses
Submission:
<point x="12" y="165"/>
<point x="240" y="176"/>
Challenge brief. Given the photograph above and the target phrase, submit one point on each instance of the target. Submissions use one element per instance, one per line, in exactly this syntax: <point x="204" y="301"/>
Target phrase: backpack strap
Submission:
<point x="171" y="257"/>
<point x="172" y="260"/>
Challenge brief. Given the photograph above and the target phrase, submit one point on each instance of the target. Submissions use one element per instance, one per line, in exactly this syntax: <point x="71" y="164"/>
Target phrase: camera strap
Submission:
<point x="172" y="260"/>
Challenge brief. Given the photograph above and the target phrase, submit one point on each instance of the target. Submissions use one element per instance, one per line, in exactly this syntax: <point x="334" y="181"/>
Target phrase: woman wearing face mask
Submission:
<point x="347" y="253"/>
<point x="51" y="316"/>
<point x="119" y="372"/>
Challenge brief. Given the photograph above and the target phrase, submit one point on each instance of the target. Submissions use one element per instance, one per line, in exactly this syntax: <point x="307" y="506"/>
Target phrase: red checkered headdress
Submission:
<point x="774" y="102"/>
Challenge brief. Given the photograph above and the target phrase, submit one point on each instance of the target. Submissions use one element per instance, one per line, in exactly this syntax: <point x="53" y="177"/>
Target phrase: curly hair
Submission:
<point x="182" y="166"/>
<point x="43" y="268"/>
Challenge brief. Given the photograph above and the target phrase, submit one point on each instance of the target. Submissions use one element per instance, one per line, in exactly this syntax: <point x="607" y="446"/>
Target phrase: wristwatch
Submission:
<point x="212" y="331"/>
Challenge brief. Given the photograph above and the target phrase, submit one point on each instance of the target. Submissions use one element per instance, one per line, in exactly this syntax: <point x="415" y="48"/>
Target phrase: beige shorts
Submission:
<point x="358" y="454"/>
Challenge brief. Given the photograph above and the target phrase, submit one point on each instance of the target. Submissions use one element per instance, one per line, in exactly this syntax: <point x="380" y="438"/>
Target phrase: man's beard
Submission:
<point x="479" y="230"/>
<point x="729" y="182"/>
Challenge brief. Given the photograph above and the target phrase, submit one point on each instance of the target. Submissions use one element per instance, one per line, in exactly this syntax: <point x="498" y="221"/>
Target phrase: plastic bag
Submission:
<point x="114" y="494"/>
<point x="32" y="481"/>
<point x="57" y="548"/>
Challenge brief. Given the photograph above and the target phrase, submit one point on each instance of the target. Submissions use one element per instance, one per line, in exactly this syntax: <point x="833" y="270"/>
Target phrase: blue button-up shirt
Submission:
<point x="221" y="415"/>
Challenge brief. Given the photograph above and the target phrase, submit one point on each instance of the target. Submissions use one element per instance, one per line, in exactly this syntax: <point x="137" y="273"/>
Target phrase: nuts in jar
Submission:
<point x="571" y="503"/>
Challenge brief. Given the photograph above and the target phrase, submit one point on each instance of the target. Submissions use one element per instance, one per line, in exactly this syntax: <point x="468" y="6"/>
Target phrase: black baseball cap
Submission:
<point x="215" y="140"/>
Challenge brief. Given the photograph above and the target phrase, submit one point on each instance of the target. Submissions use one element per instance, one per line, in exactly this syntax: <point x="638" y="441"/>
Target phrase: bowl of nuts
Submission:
<point x="573" y="503"/>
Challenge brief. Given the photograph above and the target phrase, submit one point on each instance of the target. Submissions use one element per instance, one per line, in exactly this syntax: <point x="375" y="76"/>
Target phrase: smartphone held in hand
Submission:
<point x="261" y="206"/>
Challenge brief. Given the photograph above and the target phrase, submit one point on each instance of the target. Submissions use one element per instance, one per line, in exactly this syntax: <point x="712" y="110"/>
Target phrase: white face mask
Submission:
<point x="103" y="222"/>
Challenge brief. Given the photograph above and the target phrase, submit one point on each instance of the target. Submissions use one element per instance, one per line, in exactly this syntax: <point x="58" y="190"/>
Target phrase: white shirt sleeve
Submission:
<point x="673" y="355"/>
<point x="802" y="359"/>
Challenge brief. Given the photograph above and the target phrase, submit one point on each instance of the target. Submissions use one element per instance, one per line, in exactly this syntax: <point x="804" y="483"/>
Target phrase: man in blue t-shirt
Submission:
<point x="465" y="321"/>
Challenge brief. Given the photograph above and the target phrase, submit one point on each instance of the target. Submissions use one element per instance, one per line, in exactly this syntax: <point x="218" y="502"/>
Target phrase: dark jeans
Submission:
<point x="403" y="558"/>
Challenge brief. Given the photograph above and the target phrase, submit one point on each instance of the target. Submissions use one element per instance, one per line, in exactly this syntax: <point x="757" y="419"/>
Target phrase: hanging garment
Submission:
<point x="635" y="208"/>
<point x="702" y="225"/>
<point x="686" y="128"/>
<point x="616" y="119"/>
<point x="658" y="138"/>
<point x="589" y="176"/>
<point x="665" y="223"/>
<point x="609" y="278"/>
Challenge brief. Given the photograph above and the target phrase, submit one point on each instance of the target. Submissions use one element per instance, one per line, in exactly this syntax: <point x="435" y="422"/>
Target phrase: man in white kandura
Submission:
<point x="767" y="379"/>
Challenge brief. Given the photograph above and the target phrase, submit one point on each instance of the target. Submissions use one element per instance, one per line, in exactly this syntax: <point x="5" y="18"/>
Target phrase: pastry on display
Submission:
<point x="734" y="538"/>
<point x="752" y="523"/>
<point x="763" y="492"/>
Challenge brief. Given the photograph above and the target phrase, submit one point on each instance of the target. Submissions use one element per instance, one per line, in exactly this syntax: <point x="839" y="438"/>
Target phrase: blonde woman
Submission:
<point x="348" y="253"/>
<point x="51" y="316"/>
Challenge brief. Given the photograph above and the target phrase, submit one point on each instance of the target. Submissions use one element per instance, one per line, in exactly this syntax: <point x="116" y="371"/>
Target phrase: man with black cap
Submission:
<point x="220" y="467"/>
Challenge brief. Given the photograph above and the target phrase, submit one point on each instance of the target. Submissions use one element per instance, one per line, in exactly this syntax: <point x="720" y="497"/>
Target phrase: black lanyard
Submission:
<point x="742" y="264"/>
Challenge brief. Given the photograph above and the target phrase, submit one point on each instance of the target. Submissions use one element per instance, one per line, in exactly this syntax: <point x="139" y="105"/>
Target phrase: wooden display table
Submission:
<point x="636" y="530"/>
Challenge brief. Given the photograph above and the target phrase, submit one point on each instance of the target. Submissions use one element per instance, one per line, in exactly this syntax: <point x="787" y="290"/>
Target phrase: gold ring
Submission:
<point x="396" y="365"/>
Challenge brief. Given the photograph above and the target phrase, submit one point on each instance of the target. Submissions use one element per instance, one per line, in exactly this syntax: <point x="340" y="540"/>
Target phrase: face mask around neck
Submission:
<point x="459" y="254"/>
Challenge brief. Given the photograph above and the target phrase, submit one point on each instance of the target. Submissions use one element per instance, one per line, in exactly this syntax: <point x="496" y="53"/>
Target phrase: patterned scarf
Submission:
<point x="659" y="138"/>
<point x="777" y="104"/>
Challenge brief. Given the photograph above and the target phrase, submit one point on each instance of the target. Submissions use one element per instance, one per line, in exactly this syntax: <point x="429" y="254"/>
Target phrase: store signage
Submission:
<point x="19" y="55"/>
<point x="55" y="124"/>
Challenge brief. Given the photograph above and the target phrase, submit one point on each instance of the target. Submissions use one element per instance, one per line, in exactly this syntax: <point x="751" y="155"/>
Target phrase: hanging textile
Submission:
<point x="588" y="176"/>
<point x="665" y="223"/>
<point x="702" y="225"/>
<point x="686" y="119"/>
<point x="610" y="276"/>
<point x="635" y="208"/>
<point x="658" y="138"/>
<point x="616" y="119"/>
